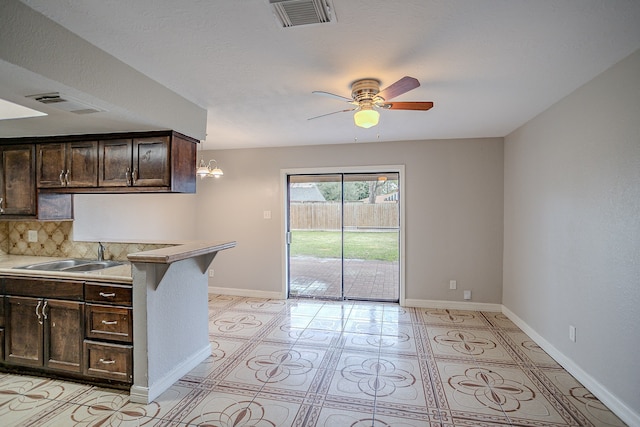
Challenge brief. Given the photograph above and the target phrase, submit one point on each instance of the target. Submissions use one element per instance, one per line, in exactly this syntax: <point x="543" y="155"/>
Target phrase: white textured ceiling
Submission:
<point x="489" y="66"/>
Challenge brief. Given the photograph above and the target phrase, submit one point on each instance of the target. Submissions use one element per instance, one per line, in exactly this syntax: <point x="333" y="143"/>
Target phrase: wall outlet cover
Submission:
<point x="467" y="294"/>
<point x="32" y="236"/>
<point x="453" y="284"/>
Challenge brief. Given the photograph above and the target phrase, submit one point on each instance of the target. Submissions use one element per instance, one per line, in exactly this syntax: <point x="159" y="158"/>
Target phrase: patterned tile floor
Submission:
<point x="314" y="363"/>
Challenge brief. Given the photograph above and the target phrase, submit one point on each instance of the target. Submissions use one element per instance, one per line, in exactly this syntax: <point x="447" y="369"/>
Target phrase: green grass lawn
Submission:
<point x="382" y="246"/>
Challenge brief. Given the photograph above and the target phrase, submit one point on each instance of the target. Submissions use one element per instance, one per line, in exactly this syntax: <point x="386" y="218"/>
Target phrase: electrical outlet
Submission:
<point x="32" y="236"/>
<point x="266" y="214"/>
<point x="452" y="284"/>
<point x="572" y="333"/>
<point x="467" y="294"/>
<point x="211" y="272"/>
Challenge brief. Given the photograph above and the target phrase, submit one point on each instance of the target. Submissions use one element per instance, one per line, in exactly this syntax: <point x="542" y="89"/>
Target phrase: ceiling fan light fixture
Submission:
<point x="366" y="118"/>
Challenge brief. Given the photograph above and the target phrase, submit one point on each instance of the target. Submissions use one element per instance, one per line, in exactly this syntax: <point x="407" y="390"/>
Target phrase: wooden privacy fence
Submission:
<point x="326" y="216"/>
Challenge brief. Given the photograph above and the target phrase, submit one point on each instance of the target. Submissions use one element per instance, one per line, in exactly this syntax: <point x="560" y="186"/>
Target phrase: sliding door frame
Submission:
<point x="284" y="173"/>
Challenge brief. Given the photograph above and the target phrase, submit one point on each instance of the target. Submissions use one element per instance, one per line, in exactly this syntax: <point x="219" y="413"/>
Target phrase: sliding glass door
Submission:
<point x="343" y="236"/>
<point x="315" y="236"/>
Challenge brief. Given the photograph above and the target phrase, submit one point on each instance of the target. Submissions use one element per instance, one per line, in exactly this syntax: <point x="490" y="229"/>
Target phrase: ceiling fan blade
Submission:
<point x="335" y="112"/>
<point x="419" y="106"/>
<point x="403" y="85"/>
<point x="332" y="95"/>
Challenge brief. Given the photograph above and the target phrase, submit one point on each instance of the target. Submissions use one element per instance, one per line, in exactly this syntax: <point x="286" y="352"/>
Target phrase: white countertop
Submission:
<point x="117" y="274"/>
<point x="179" y="252"/>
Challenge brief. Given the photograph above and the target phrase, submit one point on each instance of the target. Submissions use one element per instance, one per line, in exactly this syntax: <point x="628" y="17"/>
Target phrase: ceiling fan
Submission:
<point x="367" y="98"/>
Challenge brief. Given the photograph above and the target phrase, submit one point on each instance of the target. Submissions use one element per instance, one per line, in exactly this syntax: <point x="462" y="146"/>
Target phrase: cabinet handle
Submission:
<point x="134" y="176"/>
<point x="66" y="178"/>
<point x="1" y="203"/>
<point x="107" y="361"/>
<point x="61" y="177"/>
<point x="128" y="175"/>
<point x="38" y="314"/>
<point x="109" y="322"/>
<point x="111" y="295"/>
<point x="44" y="314"/>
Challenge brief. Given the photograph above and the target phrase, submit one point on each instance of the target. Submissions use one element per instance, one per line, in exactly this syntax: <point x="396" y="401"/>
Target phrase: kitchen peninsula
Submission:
<point x="171" y="314"/>
<point x="163" y="291"/>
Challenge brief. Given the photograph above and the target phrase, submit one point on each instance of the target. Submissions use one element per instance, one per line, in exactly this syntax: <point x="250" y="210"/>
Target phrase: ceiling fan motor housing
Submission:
<point x="365" y="90"/>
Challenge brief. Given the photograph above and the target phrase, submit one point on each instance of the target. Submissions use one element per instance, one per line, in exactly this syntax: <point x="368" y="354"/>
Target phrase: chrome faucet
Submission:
<point x="101" y="249"/>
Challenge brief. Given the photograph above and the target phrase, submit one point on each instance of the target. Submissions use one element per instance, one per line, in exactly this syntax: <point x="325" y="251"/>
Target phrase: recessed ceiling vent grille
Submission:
<point x="55" y="100"/>
<point x="292" y="13"/>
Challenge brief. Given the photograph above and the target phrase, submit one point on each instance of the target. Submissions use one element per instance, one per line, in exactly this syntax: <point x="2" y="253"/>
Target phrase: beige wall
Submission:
<point x="453" y="198"/>
<point x="572" y="229"/>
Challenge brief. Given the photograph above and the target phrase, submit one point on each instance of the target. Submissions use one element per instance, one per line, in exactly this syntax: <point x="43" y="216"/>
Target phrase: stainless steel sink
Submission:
<point x="71" y="265"/>
<point x="93" y="265"/>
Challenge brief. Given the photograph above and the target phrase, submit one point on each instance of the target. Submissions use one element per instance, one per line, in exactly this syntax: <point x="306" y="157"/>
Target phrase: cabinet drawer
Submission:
<point x="109" y="323"/>
<point x="44" y="288"/>
<point x="109" y="361"/>
<point x="107" y="294"/>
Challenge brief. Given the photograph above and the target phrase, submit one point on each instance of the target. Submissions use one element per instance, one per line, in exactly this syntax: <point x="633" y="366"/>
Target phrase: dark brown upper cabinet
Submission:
<point x="135" y="162"/>
<point x="147" y="162"/>
<point x="151" y="165"/>
<point x="115" y="163"/>
<point x="71" y="164"/>
<point x="132" y="162"/>
<point x="17" y="180"/>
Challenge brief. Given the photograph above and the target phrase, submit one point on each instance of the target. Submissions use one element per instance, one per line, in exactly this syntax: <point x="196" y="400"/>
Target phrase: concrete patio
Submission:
<point x="363" y="280"/>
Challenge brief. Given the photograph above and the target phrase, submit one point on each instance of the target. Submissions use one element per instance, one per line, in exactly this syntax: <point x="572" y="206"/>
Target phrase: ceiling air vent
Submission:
<point x="55" y="100"/>
<point x="292" y="13"/>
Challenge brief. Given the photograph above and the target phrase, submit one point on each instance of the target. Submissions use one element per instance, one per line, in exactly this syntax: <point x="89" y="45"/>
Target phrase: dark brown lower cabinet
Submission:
<point x="45" y="333"/>
<point x="64" y="335"/>
<point x="73" y="329"/>
<point x="24" y="344"/>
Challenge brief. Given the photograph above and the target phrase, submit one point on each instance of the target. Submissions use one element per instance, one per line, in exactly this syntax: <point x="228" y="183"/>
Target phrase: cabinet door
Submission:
<point x="17" y="180"/>
<point x="63" y="333"/>
<point x="82" y="164"/>
<point x="114" y="160"/>
<point x="24" y="331"/>
<point x="151" y="166"/>
<point x="51" y="165"/>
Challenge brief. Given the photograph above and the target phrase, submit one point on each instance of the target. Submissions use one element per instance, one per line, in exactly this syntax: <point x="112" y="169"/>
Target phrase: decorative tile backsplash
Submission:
<point x="55" y="239"/>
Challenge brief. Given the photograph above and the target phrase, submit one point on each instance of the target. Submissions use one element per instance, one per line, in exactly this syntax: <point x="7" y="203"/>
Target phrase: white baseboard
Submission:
<point x="146" y="395"/>
<point x="625" y="413"/>
<point x="249" y="293"/>
<point x="452" y="305"/>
